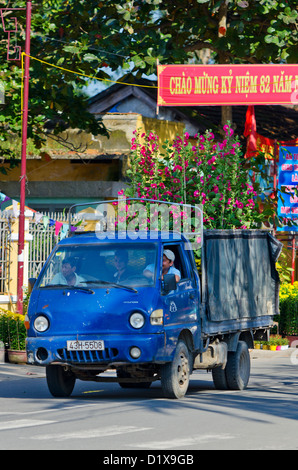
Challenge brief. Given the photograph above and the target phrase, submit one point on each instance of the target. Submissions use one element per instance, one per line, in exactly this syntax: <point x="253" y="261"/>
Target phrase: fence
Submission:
<point x="5" y="237"/>
<point x="41" y="243"/>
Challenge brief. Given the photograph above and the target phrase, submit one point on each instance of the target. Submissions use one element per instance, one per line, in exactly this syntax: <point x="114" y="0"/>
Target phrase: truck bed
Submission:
<point x="210" y="328"/>
<point x="240" y="283"/>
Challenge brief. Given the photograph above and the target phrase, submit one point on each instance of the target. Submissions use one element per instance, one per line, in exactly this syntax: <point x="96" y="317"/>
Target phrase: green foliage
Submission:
<point x="12" y="330"/>
<point x="54" y="95"/>
<point x="288" y="321"/>
<point x="208" y="172"/>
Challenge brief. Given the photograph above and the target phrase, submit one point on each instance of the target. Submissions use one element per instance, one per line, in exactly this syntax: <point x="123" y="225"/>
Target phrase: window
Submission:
<point x="179" y="261"/>
<point x="99" y="264"/>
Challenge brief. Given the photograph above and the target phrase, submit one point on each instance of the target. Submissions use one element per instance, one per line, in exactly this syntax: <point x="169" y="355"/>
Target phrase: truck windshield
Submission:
<point x="95" y="266"/>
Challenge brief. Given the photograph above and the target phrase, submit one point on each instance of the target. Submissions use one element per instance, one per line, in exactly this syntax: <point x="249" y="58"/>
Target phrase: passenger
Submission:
<point x="167" y="267"/>
<point x="121" y="260"/>
<point x="68" y="275"/>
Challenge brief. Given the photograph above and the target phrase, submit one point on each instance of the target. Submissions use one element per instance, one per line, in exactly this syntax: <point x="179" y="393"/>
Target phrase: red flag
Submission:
<point x="250" y="131"/>
<point x="58" y="226"/>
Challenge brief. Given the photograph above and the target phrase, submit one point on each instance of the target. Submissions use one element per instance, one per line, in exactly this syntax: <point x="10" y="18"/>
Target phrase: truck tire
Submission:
<point x="175" y="375"/>
<point x="60" y="381"/>
<point x="219" y="378"/>
<point x="238" y="367"/>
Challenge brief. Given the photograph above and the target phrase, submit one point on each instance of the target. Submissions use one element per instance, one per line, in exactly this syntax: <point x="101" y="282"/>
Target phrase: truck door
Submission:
<point x="181" y="305"/>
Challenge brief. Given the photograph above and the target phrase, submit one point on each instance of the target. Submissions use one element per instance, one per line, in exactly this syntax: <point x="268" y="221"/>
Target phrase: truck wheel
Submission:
<point x="60" y="381"/>
<point x="238" y="367"/>
<point x="219" y="378"/>
<point x="175" y="375"/>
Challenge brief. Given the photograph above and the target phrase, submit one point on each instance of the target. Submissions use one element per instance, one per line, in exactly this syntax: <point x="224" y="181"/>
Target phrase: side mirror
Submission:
<point x="169" y="283"/>
<point x="31" y="282"/>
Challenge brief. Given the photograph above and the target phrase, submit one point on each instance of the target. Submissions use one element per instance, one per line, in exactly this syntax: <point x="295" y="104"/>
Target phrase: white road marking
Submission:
<point x="88" y="433"/>
<point x="23" y="423"/>
<point x="182" y="442"/>
<point x="49" y="410"/>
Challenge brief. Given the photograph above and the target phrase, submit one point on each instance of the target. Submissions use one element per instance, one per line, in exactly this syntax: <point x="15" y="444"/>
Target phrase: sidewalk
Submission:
<point x="20" y="370"/>
<point x="267" y="354"/>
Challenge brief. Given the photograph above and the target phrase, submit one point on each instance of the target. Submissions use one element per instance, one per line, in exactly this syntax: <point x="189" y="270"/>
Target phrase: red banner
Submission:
<point x="219" y="85"/>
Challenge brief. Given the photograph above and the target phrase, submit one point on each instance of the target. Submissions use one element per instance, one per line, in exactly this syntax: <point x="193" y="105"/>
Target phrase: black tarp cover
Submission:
<point x="241" y="280"/>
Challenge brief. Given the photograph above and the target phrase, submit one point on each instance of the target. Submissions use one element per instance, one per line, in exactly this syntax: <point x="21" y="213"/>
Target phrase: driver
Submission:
<point x="167" y="267"/>
<point x="68" y="275"/>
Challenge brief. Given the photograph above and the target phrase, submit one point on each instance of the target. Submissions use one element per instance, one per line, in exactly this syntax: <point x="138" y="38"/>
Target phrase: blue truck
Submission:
<point x="106" y="304"/>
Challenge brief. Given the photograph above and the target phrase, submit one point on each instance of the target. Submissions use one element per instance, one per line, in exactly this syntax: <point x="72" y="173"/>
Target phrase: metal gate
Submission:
<point x="42" y="243"/>
<point x="5" y="249"/>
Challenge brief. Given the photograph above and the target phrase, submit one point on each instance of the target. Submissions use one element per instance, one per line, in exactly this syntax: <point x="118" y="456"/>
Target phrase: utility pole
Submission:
<point x="21" y="242"/>
<point x="24" y="111"/>
<point x="25" y="101"/>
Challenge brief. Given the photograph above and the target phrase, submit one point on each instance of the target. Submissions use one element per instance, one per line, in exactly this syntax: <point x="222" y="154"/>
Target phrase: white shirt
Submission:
<point x="60" y="279"/>
<point x="172" y="270"/>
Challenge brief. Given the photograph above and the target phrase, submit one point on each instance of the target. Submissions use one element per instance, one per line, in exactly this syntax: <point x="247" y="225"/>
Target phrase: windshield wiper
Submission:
<point x="65" y="286"/>
<point x="113" y="284"/>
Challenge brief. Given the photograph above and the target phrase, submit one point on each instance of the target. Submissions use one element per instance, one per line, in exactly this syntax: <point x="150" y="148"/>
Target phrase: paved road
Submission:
<point x="105" y="417"/>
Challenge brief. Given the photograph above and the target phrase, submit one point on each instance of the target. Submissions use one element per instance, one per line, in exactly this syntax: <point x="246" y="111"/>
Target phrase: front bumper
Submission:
<point x="47" y="350"/>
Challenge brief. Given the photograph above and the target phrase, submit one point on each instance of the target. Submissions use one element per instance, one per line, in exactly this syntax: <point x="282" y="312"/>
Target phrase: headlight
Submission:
<point x="41" y="324"/>
<point x="137" y="320"/>
<point x="156" y="317"/>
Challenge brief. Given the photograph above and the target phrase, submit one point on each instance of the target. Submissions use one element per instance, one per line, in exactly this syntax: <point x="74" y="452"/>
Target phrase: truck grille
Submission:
<point x="88" y="357"/>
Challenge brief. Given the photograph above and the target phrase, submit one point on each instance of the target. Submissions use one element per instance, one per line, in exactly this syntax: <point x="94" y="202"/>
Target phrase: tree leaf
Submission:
<point x="90" y="57"/>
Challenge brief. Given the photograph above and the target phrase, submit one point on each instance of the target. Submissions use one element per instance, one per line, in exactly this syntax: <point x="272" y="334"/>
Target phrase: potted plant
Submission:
<point x="284" y="343"/>
<point x="257" y="344"/>
<point x="275" y="342"/>
<point x="13" y="335"/>
<point x="272" y="343"/>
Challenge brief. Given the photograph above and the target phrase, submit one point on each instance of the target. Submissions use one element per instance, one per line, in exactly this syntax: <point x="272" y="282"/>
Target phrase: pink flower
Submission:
<point x="239" y="204"/>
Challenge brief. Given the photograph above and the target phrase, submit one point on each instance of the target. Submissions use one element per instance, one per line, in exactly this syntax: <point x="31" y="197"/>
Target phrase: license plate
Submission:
<point x="92" y="345"/>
